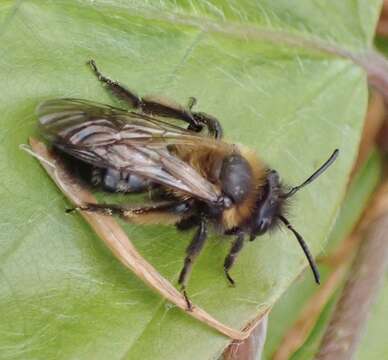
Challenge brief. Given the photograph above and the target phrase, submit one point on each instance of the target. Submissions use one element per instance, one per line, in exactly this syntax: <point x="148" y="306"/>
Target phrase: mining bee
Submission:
<point x="196" y="180"/>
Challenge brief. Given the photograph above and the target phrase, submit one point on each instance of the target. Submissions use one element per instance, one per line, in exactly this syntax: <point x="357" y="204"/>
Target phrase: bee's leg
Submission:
<point x="120" y="91"/>
<point x="192" y="253"/>
<point x="168" y="108"/>
<point x="105" y="209"/>
<point x="191" y="102"/>
<point x="231" y="257"/>
<point x="212" y="124"/>
<point x="160" y="107"/>
<point x="174" y="210"/>
<point x="188" y="223"/>
<point x="149" y="104"/>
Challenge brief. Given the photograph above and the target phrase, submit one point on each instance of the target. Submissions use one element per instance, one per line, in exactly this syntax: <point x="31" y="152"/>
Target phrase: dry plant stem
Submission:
<point x="349" y="318"/>
<point x="115" y="238"/>
<point x="252" y="347"/>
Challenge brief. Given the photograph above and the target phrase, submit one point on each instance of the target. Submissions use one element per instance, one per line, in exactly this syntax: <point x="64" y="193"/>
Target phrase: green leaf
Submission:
<point x="264" y="69"/>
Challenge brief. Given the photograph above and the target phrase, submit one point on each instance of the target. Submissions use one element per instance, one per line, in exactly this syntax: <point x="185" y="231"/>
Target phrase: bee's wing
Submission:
<point x="105" y="136"/>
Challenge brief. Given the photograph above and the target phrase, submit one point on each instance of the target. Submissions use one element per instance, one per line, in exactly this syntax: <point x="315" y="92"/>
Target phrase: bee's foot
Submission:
<point x="188" y="302"/>
<point x="232" y="283"/>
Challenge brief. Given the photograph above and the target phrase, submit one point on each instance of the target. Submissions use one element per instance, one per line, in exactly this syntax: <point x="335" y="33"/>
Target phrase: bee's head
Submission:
<point x="270" y="205"/>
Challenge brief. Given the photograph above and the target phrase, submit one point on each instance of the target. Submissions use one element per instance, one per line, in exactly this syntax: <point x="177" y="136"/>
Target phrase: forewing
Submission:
<point x="92" y="123"/>
<point x="105" y="136"/>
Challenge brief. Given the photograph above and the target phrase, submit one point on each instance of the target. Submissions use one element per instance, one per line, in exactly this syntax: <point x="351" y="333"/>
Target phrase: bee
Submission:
<point x="196" y="179"/>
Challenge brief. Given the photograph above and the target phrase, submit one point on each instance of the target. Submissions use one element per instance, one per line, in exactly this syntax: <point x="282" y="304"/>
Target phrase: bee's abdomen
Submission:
<point x="106" y="179"/>
<point x="115" y="181"/>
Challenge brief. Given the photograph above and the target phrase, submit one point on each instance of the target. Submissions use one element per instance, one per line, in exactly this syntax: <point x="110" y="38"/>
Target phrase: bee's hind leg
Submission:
<point x="161" y="107"/>
<point x="191" y="102"/>
<point x="118" y="90"/>
<point x="149" y="104"/>
<point x="192" y="252"/>
<point x="212" y="124"/>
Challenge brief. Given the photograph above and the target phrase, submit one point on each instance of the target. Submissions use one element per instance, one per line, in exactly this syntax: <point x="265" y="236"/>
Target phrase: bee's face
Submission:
<point x="268" y="207"/>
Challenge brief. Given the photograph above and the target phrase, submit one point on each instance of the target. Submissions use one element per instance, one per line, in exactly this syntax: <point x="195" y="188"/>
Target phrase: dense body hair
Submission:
<point x="208" y="162"/>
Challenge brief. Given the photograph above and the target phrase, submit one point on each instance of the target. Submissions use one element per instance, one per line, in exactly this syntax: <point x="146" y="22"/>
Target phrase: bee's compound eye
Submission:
<point x="263" y="226"/>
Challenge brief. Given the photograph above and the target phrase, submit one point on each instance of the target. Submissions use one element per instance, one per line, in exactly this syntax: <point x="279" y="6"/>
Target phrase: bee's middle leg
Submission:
<point x="188" y="223"/>
<point x="136" y="213"/>
<point x="192" y="252"/>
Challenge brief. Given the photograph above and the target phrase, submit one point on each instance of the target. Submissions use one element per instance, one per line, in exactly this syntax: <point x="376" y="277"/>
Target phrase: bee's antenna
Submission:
<point x="305" y="249"/>
<point x="318" y="172"/>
